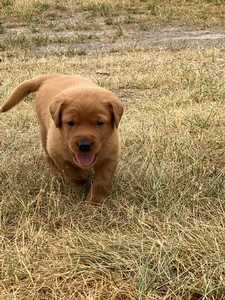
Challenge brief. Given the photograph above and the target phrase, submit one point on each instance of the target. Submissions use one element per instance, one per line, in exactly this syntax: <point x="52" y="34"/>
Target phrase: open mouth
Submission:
<point x="85" y="159"/>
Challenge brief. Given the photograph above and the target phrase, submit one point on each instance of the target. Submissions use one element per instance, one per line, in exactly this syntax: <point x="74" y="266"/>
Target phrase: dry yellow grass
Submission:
<point x="160" y="235"/>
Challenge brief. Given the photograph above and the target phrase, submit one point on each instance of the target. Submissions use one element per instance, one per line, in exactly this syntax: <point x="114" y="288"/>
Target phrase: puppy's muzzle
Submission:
<point x="84" y="158"/>
<point x="84" y="146"/>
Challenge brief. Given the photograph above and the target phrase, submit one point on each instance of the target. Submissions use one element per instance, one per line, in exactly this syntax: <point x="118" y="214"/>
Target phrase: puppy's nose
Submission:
<point x="84" y="146"/>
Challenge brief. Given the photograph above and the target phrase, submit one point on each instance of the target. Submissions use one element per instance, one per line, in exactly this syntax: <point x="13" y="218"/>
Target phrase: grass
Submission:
<point x="160" y="235"/>
<point x="154" y="13"/>
<point x="33" y="20"/>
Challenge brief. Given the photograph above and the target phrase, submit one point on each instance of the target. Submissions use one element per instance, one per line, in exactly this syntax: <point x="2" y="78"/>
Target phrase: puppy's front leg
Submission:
<point x="101" y="184"/>
<point x="70" y="171"/>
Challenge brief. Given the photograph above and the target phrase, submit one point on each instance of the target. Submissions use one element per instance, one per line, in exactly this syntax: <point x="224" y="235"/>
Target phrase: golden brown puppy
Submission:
<point x="79" y="127"/>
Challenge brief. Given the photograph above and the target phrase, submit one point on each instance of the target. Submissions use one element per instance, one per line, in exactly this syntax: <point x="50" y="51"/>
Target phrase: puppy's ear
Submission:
<point x="117" y="110"/>
<point x="56" y="112"/>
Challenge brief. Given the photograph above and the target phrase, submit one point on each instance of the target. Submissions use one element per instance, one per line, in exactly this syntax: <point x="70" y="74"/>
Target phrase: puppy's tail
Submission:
<point x="24" y="89"/>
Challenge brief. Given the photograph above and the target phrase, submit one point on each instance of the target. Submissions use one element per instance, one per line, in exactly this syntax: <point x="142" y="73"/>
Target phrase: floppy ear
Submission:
<point x="56" y="112"/>
<point x="117" y="109"/>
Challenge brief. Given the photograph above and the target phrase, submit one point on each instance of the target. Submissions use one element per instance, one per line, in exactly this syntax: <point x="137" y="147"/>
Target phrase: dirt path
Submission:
<point x="161" y="39"/>
<point x="179" y="37"/>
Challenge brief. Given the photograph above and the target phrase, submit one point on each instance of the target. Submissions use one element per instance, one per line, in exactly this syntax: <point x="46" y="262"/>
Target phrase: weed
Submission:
<point x="81" y="52"/>
<point x="105" y="10"/>
<point x="2" y="29"/>
<point x="153" y="9"/>
<point x="118" y="32"/>
<point x="6" y="3"/>
<point x="61" y="39"/>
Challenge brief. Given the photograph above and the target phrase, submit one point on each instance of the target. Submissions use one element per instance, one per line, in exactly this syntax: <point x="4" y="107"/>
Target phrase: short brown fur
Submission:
<point x="79" y="127"/>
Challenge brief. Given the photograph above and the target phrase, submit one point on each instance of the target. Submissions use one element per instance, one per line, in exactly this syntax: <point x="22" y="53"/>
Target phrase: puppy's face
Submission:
<point x="86" y="119"/>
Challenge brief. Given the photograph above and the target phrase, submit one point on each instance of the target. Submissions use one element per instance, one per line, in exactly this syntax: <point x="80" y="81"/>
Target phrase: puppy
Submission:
<point x="79" y="127"/>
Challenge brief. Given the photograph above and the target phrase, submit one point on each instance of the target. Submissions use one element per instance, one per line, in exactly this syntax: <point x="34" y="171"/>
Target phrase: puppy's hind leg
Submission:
<point x="52" y="165"/>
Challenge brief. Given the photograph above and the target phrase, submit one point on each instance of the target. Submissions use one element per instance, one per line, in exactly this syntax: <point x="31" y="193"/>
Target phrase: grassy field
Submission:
<point x="161" y="233"/>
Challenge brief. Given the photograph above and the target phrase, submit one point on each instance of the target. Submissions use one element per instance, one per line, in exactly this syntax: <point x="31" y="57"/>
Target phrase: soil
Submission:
<point x="175" y="38"/>
<point x="160" y="39"/>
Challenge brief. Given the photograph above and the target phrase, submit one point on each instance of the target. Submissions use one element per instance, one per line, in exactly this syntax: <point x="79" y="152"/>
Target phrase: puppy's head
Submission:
<point x="86" y="118"/>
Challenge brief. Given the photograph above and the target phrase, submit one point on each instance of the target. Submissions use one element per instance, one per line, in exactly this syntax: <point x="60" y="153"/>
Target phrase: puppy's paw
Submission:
<point x="94" y="200"/>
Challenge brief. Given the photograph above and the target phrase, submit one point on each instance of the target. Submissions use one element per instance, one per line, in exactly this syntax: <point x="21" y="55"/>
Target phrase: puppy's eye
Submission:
<point x="100" y="123"/>
<point x="71" y="123"/>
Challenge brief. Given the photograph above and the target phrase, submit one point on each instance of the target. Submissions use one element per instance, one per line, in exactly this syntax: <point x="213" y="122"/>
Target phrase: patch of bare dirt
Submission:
<point x="161" y="39"/>
<point x="186" y="38"/>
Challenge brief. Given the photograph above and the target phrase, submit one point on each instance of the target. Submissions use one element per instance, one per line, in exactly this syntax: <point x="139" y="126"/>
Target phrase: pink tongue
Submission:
<point x="85" y="159"/>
